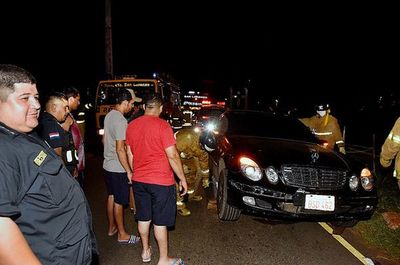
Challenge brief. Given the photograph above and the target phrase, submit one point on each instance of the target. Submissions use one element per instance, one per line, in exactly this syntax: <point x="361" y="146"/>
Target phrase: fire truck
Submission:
<point x="107" y="91"/>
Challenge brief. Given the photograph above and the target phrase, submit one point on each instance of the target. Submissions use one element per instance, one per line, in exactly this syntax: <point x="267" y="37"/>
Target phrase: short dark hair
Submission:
<point x="153" y="100"/>
<point x="52" y="96"/>
<point x="11" y="75"/>
<point x="123" y="95"/>
<point x="71" y="91"/>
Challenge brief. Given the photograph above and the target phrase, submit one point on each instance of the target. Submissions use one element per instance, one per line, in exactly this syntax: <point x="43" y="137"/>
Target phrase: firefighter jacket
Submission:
<point x="188" y="145"/>
<point x="325" y="128"/>
<point x="391" y="149"/>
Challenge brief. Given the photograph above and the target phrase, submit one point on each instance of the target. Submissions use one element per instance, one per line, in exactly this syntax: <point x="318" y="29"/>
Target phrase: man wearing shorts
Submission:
<point x="117" y="171"/>
<point x="154" y="158"/>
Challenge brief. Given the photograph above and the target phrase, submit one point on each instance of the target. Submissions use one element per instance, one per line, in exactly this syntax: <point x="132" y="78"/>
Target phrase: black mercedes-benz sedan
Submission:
<point x="272" y="166"/>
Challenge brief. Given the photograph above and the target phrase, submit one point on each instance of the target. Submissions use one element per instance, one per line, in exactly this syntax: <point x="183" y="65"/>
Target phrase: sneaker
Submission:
<point x="184" y="212"/>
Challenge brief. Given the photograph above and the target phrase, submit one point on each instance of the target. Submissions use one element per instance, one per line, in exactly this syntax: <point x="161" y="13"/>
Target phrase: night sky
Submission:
<point x="331" y="56"/>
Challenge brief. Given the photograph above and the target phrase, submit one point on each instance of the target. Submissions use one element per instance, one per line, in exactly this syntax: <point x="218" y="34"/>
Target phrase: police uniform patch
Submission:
<point x="53" y="135"/>
<point x="40" y="158"/>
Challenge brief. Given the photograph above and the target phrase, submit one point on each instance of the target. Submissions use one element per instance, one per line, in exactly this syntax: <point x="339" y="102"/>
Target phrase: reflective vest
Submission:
<point x="325" y="128"/>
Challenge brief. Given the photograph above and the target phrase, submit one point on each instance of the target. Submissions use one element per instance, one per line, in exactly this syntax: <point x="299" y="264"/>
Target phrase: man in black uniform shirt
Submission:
<point x="44" y="216"/>
<point x="55" y="134"/>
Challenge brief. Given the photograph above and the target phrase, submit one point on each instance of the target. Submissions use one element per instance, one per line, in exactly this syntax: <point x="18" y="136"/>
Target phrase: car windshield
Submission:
<point x="249" y="123"/>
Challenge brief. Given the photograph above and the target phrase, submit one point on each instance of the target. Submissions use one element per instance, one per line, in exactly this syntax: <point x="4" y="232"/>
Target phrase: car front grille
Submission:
<point x="310" y="177"/>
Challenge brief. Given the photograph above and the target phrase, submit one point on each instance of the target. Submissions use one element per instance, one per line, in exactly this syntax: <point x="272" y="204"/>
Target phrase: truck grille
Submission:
<point x="309" y="177"/>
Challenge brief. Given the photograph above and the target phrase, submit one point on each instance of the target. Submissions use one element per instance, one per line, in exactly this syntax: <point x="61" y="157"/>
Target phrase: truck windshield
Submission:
<point x="108" y="92"/>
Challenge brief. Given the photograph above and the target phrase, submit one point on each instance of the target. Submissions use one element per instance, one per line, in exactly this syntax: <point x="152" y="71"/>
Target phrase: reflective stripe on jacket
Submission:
<point x="325" y="128"/>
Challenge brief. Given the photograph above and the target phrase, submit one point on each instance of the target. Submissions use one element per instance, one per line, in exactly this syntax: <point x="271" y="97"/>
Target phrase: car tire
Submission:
<point x="214" y="179"/>
<point x="225" y="211"/>
<point x="338" y="227"/>
<point x="344" y="224"/>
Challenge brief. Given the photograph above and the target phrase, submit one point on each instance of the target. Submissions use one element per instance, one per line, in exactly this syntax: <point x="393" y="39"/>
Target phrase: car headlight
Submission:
<point x="272" y="175"/>
<point x="367" y="181"/>
<point x="250" y="169"/>
<point x="353" y="182"/>
<point x="210" y="126"/>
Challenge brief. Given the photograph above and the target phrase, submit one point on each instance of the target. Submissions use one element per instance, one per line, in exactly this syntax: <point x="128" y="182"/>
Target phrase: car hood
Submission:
<point x="276" y="152"/>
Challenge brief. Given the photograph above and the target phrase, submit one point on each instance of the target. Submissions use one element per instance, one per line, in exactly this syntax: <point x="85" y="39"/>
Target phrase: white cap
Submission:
<point x="135" y="98"/>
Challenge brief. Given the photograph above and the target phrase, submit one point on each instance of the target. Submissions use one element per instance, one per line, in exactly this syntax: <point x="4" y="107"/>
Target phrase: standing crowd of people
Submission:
<point x="44" y="215"/>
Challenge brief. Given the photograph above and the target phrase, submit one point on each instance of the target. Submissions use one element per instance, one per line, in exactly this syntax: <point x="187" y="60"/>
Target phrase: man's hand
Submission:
<point x="183" y="187"/>
<point x="129" y="175"/>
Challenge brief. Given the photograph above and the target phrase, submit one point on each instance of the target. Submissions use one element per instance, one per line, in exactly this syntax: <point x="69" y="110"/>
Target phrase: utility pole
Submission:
<point x="108" y="42"/>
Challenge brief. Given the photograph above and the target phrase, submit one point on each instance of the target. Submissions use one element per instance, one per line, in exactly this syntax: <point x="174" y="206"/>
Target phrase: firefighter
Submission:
<point x="326" y="127"/>
<point x="391" y="150"/>
<point x="195" y="166"/>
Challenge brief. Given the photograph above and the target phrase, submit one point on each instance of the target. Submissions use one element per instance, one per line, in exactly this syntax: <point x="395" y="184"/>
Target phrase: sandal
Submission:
<point x="147" y="258"/>
<point x="113" y="232"/>
<point x="177" y="261"/>
<point x="132" y="240"/>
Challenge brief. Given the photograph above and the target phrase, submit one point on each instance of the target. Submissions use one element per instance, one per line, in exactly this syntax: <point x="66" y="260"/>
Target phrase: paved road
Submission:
<point x="202" y="239"/>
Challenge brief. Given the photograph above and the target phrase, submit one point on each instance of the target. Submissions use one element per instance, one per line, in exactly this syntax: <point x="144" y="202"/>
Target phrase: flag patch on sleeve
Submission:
<point x="53" y="135"/>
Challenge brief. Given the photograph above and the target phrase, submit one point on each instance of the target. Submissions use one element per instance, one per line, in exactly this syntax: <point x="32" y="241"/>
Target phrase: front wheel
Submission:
<point x="338" y="227"/>
<point x="350" y="223"/>
<point x="225" y="211"/>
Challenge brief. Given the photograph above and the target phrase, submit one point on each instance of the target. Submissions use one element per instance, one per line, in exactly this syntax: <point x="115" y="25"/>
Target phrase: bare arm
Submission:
<point x="14" y="249"/>
<point x="130" y="156"/>
<point x="176" y="164"/>
<point x="123" y="158"/>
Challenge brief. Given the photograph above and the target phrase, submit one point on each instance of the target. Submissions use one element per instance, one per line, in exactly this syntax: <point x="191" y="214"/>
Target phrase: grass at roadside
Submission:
<point x="375" y="231"/>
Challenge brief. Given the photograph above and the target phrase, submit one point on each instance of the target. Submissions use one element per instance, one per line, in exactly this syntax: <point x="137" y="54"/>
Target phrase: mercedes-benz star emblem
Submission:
<point x="314" y="156"/>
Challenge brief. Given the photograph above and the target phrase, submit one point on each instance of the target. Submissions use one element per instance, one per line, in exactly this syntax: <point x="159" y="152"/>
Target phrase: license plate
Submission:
<point x="320" y="202"/>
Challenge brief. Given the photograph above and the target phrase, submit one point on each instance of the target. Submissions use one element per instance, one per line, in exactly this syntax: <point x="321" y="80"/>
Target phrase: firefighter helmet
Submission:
<point x="208" y="141"/>
<point x="322" y="107"/>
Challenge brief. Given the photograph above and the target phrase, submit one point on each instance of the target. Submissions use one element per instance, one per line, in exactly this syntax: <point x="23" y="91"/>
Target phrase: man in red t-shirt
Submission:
<point x="154" y="159"/>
